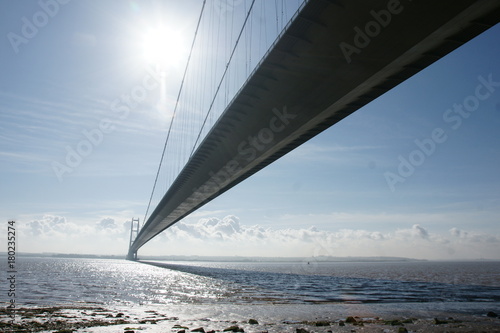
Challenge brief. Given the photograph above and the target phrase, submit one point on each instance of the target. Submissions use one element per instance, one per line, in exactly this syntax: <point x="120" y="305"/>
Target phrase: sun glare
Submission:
<point x="164" y="47"/>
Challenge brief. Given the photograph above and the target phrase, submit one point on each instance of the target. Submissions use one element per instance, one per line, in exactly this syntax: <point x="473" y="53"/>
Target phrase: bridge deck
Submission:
<point x="333" y="58"/>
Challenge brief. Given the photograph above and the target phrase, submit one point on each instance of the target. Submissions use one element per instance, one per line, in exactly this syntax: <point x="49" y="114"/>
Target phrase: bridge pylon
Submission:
<point x="134" y="231"/>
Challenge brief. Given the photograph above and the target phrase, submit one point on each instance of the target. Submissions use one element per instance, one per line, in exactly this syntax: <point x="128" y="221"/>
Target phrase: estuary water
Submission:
<point x="61" y="281"/>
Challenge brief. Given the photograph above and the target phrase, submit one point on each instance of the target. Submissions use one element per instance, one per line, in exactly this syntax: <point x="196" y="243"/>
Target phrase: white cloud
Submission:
<point x="50" y="226"/>
<point x="106" y="223"/>
<point x="227" y="236"/>
<point x="51" y="233"/>
<point x="416" y="231"/>
<point x="472" y="237"/>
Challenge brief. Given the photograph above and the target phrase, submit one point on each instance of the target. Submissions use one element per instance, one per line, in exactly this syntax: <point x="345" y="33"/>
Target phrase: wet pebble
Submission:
<point x="234" y="328"/>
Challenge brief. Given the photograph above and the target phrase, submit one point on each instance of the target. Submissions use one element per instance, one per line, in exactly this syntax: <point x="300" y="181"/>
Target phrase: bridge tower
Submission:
<point x="134" y="231"/>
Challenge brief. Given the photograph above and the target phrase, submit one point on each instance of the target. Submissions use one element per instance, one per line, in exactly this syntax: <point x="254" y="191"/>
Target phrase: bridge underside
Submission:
<point x="333" y="58"/>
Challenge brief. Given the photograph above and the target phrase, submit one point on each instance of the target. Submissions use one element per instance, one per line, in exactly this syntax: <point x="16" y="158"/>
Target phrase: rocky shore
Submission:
<point x="144" y="319"/>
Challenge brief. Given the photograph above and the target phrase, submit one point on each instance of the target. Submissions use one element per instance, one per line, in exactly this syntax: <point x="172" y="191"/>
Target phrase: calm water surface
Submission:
<point x="55" y="281"/>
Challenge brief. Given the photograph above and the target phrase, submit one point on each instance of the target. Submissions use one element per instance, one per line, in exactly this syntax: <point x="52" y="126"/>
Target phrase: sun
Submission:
<point x="164" y="47"/>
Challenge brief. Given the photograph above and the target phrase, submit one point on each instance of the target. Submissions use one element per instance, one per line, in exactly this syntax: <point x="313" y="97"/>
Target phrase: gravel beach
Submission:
<point x="268" y="318"/>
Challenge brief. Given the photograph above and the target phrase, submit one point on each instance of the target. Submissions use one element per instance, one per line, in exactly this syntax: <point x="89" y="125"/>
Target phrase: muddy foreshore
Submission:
<point x="237" y="319"/>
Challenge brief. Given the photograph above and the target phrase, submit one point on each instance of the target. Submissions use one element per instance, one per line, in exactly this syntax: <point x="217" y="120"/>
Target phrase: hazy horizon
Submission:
<point x="237" y="258"/>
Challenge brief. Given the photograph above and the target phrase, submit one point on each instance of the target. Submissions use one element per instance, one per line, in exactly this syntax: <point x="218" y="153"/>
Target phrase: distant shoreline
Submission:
<point x="240" y="258"/>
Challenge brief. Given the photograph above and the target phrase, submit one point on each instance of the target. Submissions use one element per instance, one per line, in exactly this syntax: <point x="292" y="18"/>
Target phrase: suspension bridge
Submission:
<point x="330" y="58"/>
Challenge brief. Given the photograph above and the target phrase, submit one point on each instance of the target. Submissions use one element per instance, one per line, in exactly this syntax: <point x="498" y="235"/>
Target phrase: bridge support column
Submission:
<point x="132" y="256"/>
<point x="134" y="231"/>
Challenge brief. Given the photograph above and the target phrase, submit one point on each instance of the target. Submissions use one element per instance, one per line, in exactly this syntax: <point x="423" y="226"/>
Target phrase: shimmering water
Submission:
<point x="54" y="281"/>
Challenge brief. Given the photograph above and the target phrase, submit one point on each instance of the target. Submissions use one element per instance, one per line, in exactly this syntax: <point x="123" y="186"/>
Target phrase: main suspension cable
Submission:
<point x="222" y="78"/>
<point x="175" y="109"/>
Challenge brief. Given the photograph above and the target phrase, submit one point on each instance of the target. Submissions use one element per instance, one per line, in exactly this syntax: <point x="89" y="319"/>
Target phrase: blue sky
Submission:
<point x="331" y="196"/>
